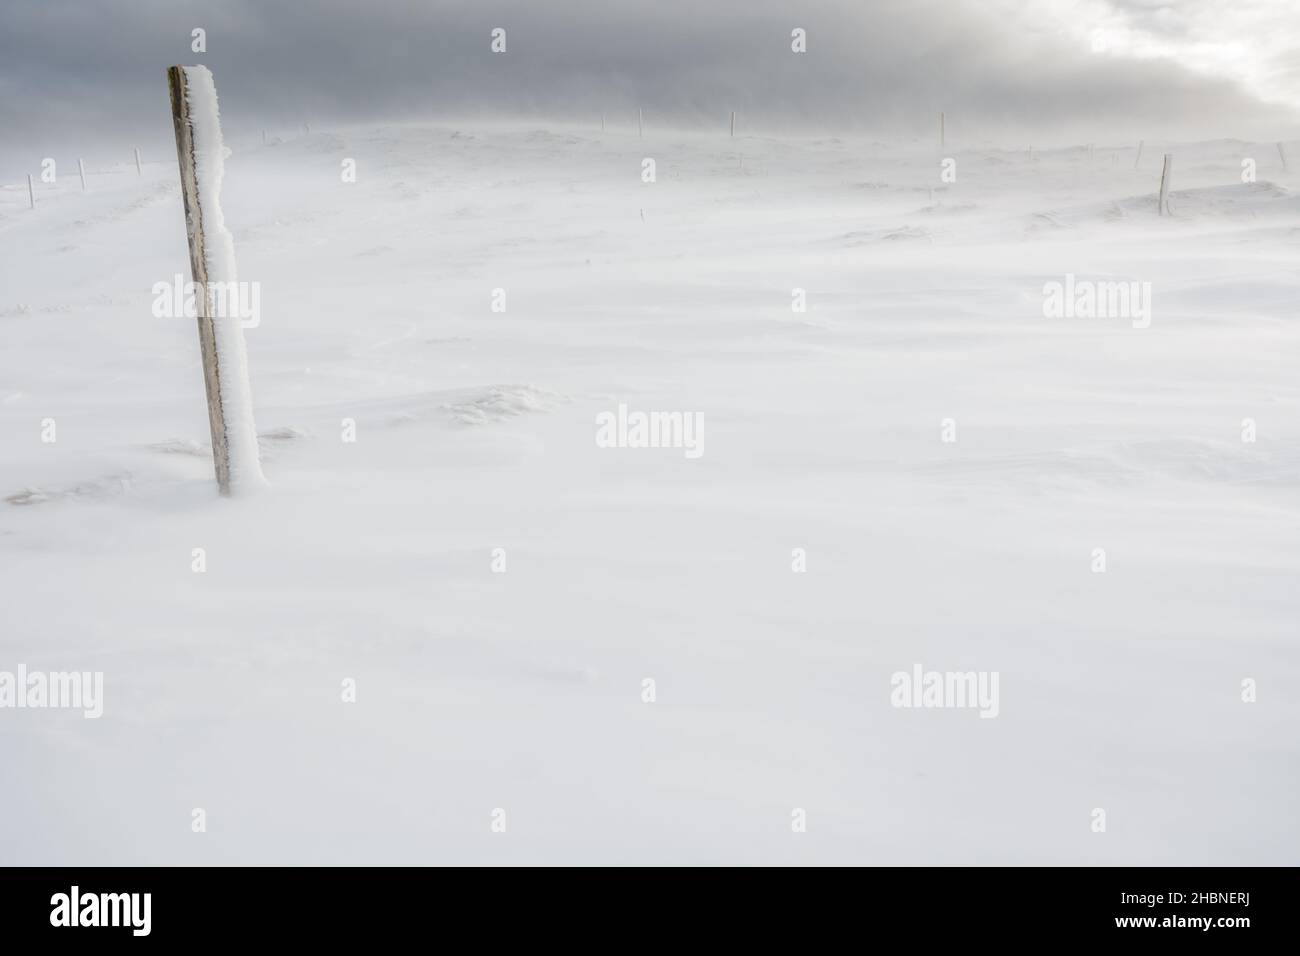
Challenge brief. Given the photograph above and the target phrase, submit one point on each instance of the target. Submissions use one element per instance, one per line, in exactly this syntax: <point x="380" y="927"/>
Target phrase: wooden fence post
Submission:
<point x="1282" y="152"/>
<point x="942" y="130"/>
<point x="733" y="124"/>
<point x="81" y="168"/>
<point x="224" y="373"/>
<point x="639" y="128"/>
<point x="1141" y="143"/>
<point x="1166" y="175"/>
<point x="138" y="171"/>
<point x="31" y="191"/>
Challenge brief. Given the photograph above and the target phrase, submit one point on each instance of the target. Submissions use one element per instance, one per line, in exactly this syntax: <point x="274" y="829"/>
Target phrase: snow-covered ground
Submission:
<point x="372" y="560"/>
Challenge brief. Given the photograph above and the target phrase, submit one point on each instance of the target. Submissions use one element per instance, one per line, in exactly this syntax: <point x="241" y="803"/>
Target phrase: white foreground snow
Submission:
<point x="475" y="430"/>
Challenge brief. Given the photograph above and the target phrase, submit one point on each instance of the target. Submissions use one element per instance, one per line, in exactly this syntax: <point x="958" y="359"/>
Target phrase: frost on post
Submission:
<point x="201" y="153"/>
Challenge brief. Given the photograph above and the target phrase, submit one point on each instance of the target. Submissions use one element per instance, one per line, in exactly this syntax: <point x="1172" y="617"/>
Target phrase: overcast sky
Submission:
<point x="75" y="69"/>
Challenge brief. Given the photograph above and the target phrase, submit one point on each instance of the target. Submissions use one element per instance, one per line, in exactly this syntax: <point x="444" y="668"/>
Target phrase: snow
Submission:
<point x="219" y="252"/>
<point x="476" y="430"/>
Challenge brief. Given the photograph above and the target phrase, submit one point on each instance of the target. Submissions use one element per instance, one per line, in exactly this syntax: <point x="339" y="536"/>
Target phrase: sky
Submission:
<point x="72" y="70"/>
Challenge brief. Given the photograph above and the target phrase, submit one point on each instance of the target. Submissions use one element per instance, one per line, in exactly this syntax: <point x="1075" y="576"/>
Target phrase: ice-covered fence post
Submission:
<point x="1141" y="143"/>
<point x="201" y="154"/>
<point x="733" y="123"/>
<point x="639" y="129"/>
<point x="31" y="191"/>
<point x="942" y="131"/>
<point x="602" y="122"/>
<point x="81" y="168"/>
<point x="1165" y="175"/>
<point x="1282" y="152"/>
<point x="138" y="170"/>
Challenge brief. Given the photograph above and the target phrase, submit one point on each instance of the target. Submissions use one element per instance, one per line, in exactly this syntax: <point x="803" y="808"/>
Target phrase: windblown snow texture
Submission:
<point x="476" y="431"/>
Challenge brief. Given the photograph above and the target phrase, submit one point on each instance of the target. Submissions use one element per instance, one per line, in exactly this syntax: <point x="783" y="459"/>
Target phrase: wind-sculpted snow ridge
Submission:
<point x="901" y="234"/>
<point x="182" y="446"/>
<point x="497" y="403"/>
<point x="1258" y="201"/>
<point x="109" y="486"/>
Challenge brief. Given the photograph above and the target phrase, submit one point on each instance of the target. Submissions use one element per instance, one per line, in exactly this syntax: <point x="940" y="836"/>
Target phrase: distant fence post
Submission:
<point x="1141" y="143"/>
<point x="81" y="168"/>
<point x="1166" y="174"/>
<point x="639" y="128"/>
<point x="1281" y="151"/>
<point x="221" y="338"/>
<point x="733" y="123"/>
<point x="31" y="191"/>
<point x="138" y="171"/>
<point x="942" y="130"/>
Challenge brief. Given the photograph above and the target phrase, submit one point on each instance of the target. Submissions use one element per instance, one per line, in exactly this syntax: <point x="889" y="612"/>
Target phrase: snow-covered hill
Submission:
<point x="476" y="690"/>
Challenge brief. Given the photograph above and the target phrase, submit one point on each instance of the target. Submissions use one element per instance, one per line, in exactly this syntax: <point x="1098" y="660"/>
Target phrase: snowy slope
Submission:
<point x="372" y="560"/>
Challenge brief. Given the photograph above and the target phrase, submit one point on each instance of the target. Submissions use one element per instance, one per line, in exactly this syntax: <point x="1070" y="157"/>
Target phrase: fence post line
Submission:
<point x="200" y="152"/>
<point x="1166" y="174"/>
<point x="199" y="273"/>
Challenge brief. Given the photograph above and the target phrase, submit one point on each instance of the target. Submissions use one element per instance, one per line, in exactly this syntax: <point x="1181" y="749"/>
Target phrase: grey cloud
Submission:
<point x="74" y="67"/>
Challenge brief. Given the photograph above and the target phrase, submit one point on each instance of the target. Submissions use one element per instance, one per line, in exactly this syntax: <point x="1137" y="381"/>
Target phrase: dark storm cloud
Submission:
<point x="72" y="66"/>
